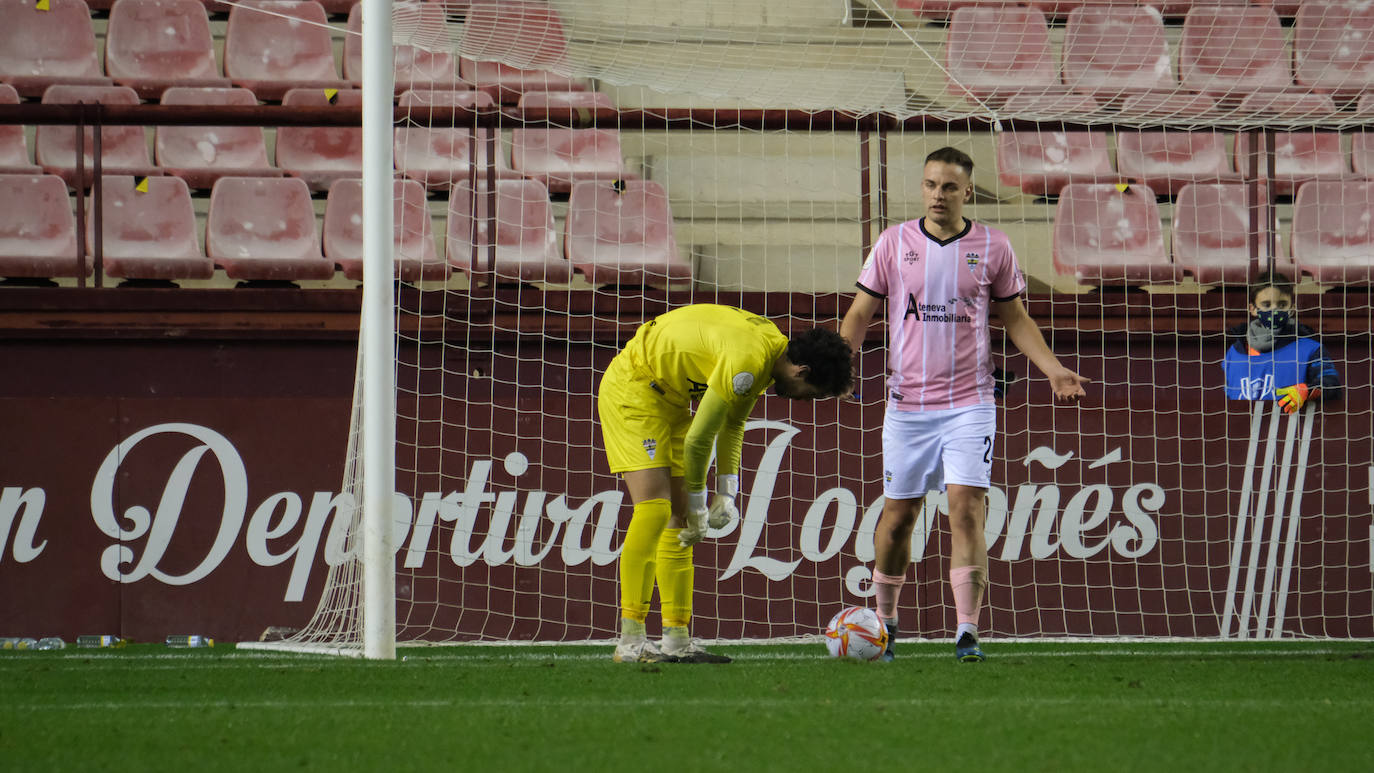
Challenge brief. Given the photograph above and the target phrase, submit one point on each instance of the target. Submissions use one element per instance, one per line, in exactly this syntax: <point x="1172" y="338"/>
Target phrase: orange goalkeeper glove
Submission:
<point x="1292" y="398"/>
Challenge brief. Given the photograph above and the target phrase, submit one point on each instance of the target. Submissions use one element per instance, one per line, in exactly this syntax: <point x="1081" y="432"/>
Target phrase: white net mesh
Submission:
<point x="1125" y="149"/>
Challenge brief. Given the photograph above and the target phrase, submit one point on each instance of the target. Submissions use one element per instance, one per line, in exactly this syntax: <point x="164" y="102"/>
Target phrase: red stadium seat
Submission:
<point x="321" y="154"/>
<point x="39" y="48"/>
<point x="526" y="242"/>
<point x="148" y="233"/>
<point x="1211" y="233"/>
<point x="414" y="68"/>
<point x="623" y="234"/>
<point x="273" y="46"/>
<point x="415" y="257"/>
<point x="560" y="157"/>
<point x="1233" y="49"/>
<point x="513" y="46"/>
<point x="1166" y="105"/>
<point x="1168" y="160"/>
<point x="1362" y="153"/>
<point x="153" y="44"/>
<point x="1299" y="156"/>
<point x="1287" y="106"/>
<point x="14" y="147"/>
<point x="1103" y="234"/>
<point x="1056" y="104"/>
<point x="1333" y="46"/>
<point x="1333" y="239"/>
<point x="264" y="229"/>
<point x="1042" y="162"/>
<point x="439" y="156"/>
<point x="992" y="53"/>
<point x="202" y="154"/>
<point x="1111" y="50"/>
<point x="37" y="228"/>
<point x="124" y="149"/>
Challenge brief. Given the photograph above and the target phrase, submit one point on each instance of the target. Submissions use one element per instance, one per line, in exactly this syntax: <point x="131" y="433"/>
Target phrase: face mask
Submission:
<point x="1274" y="318"/>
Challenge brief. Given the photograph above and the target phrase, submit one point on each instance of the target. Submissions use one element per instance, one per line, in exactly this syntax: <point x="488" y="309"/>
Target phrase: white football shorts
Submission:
<point x="925" y="450"/>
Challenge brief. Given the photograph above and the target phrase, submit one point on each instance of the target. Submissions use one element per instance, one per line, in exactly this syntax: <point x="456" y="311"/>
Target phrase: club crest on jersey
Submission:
<point x="911" y="256"/>
<point x="742" y="382"/>
<point x="972" y="259"/>
<point x="650" y="447"/>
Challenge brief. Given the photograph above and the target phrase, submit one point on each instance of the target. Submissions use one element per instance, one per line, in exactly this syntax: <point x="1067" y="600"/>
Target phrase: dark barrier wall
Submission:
<point x="185" y="477"/>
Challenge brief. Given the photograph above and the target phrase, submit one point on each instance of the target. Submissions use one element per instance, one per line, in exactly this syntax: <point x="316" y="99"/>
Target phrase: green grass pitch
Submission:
<point x="1175" y="706"/>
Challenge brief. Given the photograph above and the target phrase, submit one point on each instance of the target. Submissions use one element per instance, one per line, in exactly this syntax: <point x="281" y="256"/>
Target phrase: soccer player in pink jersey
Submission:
<point x="940" y="275"/>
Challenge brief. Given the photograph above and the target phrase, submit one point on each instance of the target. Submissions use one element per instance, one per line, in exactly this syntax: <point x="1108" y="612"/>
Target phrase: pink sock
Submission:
<point x="968" y="583"/>
<point x="887" y="586"/>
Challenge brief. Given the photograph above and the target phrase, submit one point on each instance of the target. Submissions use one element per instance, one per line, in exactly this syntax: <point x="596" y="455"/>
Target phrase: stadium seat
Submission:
<point x="37" y="228"/>
<point x="39" y="48"/>
<point x="413" y="68"/>
<point x="153" y="44"/>
<point x="513" y="46"/>
<point x="14" y="147"/>
<point x="439" y="156"/>
<point x="415" y="258"/>
<point x="1299" y="156"/>
<point x="1333" y="46"/>
<point x="264" y="229"/>
<point x="1362" y="153"/>
<point x="202" y="154"/>
<point x="622" y="234"/>
<point x="1233" y="49"/>
<point x="1211" y="233"/>
<point x="1054" y="104"/>
<point x="526" y="242"/>
<point x="1112" y="50"/>
<point x="1287" y="106"/>
<point x="1167" y="160"/>
<point x="149" y="231"/>
<point x="1042" y="162"/>
<point x="992" y="53"/>
<point x="320" y="154"/>
<point x="287" y="47"/>
<point x="123" y="149"/>
<point x="1169" y="105"/>
<point x="1332" y="238"/>
<point x="560" y="157"/>
<point x="1106" y="235"/>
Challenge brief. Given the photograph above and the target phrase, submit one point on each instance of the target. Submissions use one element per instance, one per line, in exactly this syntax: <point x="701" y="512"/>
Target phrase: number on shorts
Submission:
<point x="987" y="449"/>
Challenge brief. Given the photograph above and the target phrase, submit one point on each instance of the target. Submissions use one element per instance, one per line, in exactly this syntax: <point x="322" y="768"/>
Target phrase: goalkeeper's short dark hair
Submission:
<point x="827" y="357"/>
<point x="948" y="155"/>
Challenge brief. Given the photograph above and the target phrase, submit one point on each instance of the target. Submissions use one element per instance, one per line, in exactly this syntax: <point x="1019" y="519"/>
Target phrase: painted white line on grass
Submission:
<point x="449" y="658"/>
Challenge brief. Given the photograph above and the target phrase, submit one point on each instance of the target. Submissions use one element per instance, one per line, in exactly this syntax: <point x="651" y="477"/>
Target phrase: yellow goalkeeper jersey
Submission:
<point x="705" y="346"/>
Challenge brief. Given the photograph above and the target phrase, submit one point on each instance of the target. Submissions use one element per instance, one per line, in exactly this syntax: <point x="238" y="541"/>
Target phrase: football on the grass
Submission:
<point x="856" y="632"/>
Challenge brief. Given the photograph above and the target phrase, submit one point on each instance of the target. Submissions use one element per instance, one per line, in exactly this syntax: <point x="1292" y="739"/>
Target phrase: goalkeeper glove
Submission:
<point x="695" y="528"/>
<point x="1292" y="398"/>
<point x="723" y="509"/>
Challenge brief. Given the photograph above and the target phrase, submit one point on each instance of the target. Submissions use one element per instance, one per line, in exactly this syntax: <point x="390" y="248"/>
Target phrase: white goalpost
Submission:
<point x="586" y="165"/>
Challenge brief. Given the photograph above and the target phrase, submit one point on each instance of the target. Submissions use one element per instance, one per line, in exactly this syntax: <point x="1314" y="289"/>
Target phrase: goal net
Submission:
<point x="1147" y="162"/>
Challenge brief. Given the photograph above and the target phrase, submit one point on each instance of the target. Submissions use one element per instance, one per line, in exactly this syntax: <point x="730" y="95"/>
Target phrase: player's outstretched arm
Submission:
<point x="1023" y="332"/>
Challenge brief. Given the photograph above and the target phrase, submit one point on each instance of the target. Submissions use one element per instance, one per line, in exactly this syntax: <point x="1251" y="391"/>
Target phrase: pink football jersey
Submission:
<point x="938" y="295"/>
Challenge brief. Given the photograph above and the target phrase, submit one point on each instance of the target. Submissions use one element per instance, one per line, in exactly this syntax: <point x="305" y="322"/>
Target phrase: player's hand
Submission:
<point x="723" y="510"/>
<point x="1067" y="385"/>
<point x="694" y="530"/>
<point x="1292" y="398"/>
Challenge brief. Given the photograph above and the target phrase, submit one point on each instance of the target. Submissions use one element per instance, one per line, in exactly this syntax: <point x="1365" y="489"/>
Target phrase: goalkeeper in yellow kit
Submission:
<point x="723" y="358"/>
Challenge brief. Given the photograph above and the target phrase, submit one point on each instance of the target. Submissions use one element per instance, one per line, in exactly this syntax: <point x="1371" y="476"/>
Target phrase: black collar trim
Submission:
<point x="968" y="226"/>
